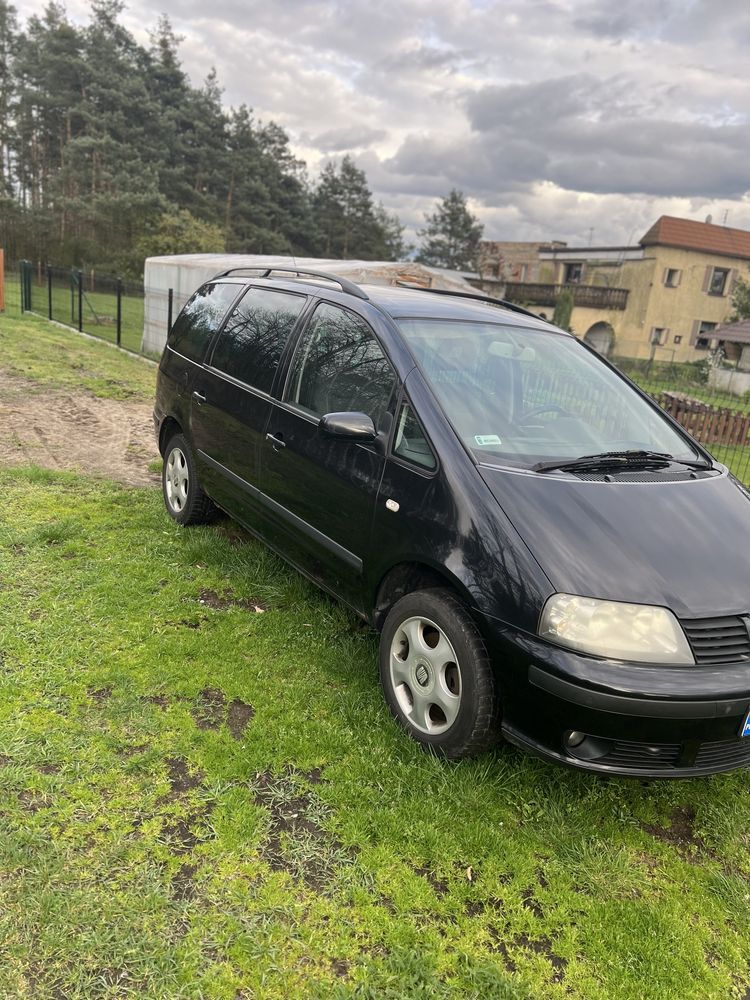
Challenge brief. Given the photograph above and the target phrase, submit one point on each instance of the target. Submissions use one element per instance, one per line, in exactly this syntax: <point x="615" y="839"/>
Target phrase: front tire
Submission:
<point x="184" y="499"/>
<point x="436" y="674"/>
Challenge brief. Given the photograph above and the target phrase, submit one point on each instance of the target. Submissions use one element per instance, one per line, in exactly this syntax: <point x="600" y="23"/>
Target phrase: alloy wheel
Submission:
<point x="425" y="675"/>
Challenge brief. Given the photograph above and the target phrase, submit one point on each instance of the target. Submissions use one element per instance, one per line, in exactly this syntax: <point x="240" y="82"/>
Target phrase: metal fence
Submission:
<point x="99" y="304"/>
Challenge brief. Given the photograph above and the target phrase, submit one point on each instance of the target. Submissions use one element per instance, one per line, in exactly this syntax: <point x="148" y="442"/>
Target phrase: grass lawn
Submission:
<point x="198" y="799"/>
<point x="203" y="795"/>
<point x="37" y="350"/>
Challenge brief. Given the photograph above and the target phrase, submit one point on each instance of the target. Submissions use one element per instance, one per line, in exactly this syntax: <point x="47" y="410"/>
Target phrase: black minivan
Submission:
<point x="545" y="553"/>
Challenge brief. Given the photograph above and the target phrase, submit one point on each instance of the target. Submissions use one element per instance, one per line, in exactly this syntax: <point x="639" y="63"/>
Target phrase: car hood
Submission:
<point x="683" y="545"/>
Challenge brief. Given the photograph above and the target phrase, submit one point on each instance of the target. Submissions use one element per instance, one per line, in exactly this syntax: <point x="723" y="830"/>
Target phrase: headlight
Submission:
<point x="619" y="631"/>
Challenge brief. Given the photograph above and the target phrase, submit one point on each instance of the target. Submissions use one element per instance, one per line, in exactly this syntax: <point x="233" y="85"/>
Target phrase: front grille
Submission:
<point x="718" y="640"/>
<point x="651" y="756"/>
<point x="628" y="756"/>
<point x="732" y="754"/>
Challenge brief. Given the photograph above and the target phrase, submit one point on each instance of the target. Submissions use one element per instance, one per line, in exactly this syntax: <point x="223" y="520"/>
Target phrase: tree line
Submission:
<point x="109" y="154"/>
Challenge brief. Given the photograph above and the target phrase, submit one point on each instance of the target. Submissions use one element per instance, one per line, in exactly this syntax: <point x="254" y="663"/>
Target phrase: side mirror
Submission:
<point x="348" y="426"/>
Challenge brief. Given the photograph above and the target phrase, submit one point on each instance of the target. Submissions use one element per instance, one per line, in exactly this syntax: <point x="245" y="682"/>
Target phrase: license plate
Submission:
<point x="745" y="731"/>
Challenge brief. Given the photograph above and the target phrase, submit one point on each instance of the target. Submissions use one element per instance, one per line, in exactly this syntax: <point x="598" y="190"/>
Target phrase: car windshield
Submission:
<point x="519" y="396"/>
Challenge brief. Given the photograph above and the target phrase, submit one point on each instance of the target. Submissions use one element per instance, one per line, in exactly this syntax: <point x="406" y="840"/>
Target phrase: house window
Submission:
<point x="678" y="339"/>
<point x="672" y="277"/>
<point x="573" y="274"/>
<point x="659" y="335"/>
<point x="703" y="335"/>
<point x="718" y="283"/>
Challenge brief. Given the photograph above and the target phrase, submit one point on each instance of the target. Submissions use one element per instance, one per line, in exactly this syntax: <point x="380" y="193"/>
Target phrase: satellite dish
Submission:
<point x="709" y="219"/>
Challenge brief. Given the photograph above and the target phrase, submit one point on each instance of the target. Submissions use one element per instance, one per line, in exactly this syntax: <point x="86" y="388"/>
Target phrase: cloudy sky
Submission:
<point x="581" y="120"/>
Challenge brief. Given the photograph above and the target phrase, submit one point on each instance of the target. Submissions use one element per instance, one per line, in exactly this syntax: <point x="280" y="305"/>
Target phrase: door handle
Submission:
<point x="199" y="398"/>
<point x="276" y="442"/>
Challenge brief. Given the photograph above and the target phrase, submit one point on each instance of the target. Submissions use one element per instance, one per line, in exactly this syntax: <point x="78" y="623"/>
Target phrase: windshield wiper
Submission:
<point x="613" y="460"/>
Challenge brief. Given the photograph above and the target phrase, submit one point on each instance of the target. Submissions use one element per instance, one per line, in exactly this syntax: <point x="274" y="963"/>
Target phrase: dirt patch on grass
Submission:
<point x="183" y="883"/>
<point x="76" y="431"/>
<point x="437" y="885"/>
<point x="239" y="717"/>
<point x="183" y="833"/>
<point x="511" y="952"/>
<point x="680" y="832"/>
<point x="530" y="902"/>
<point x="221" y="602"/>
<point x="100" y="695"/>
<point x="158" y="700"/>
<point x="32" y="801"/>
<point x="296" y="841"/>
<point x="211" y="711"/>
<point x="181" y="779"/>
<point x="208" y="712"/>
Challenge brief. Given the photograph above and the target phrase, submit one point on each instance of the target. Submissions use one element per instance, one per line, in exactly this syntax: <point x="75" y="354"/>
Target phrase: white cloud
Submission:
<point x="556" y="117"/>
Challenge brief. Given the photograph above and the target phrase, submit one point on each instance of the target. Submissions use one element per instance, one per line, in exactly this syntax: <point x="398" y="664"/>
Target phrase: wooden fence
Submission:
<point x="709" y="424"/>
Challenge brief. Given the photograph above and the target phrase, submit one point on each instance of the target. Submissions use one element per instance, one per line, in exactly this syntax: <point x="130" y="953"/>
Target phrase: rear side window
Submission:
<point x="254" y="336"/>
<point x="200" y="319"/>
<point x="339" y="366"/>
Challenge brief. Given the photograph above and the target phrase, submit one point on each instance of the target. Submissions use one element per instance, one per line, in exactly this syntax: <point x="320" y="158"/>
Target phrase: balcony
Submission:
<point x="587" y="296"/>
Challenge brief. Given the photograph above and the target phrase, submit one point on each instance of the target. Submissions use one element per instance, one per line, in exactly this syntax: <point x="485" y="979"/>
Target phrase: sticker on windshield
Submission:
<point x="486" y="439"/>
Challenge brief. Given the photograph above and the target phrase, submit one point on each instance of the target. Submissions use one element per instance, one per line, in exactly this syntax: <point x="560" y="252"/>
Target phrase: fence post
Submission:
<point x="80" y="301"/>
<point x="119" y="311"/>
<point x="2" y="281"/>
<point x="26" y="266"/>
<point x="170" y="303"/>
<point x="49" y="291"/>
<point x="21" y="280"/>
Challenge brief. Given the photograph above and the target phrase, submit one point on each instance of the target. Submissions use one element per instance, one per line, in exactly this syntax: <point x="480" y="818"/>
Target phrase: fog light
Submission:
<point x="574" y="738"/>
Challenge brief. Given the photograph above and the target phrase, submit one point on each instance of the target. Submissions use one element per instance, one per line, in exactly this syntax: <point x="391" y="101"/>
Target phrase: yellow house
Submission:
<point x="662" y="298"/>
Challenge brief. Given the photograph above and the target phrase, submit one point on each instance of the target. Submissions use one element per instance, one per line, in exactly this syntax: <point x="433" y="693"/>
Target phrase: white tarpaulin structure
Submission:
<point x="183" y="273"/>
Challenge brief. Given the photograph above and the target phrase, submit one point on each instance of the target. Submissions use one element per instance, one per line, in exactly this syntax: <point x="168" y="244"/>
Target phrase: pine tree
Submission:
<point x="8" y="46"/>
<point x="350" y="226"/>
<point x="451" y="237"/>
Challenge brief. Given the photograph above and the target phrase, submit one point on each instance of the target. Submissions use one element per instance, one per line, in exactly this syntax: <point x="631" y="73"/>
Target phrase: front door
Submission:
<point x="320" y="492"/>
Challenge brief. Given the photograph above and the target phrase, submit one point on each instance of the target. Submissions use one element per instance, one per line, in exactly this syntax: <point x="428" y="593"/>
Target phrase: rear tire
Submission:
<point x="184" y="499"/>
<point x="437" y="676"/>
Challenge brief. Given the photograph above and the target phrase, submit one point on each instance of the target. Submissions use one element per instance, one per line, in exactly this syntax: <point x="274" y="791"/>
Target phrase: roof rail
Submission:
<point x="344" y="283"/>
<point x="472" y="295"/>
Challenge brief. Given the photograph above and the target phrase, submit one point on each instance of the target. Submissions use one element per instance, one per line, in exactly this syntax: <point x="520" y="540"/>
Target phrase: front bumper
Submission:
<point x="625" y="719"/>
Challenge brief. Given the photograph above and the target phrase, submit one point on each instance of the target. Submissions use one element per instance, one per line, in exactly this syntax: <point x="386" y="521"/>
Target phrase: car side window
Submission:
<point x="200" y="318"/>
<point x="339" y="367"/>
<point x="250" y="345"/>
<point x="410" y="442"/>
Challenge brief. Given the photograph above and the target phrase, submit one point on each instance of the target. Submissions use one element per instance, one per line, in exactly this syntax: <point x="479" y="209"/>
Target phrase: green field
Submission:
<point x="202" y="794"/>
<point x="51" y="356"/>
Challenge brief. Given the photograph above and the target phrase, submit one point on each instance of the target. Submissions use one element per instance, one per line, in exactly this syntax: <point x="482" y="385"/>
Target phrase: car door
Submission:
<point x="320" y="492"/>
<point x="231" y="395"/>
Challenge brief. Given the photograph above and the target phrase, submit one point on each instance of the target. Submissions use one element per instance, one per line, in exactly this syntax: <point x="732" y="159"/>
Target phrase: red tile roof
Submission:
<point x="686" y="234"/>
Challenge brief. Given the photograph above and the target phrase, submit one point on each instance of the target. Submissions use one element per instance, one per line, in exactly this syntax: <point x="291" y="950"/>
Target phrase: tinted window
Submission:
<point x="410" y="442"/>
<point x="200" y="319"/>
<point x="251" y="343"/>
<point x="339" y="366"/>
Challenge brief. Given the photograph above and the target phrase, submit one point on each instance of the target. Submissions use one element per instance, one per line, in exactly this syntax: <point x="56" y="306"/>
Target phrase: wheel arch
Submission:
<point x="408" y="576"/>
<point x="168" y="429"/>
